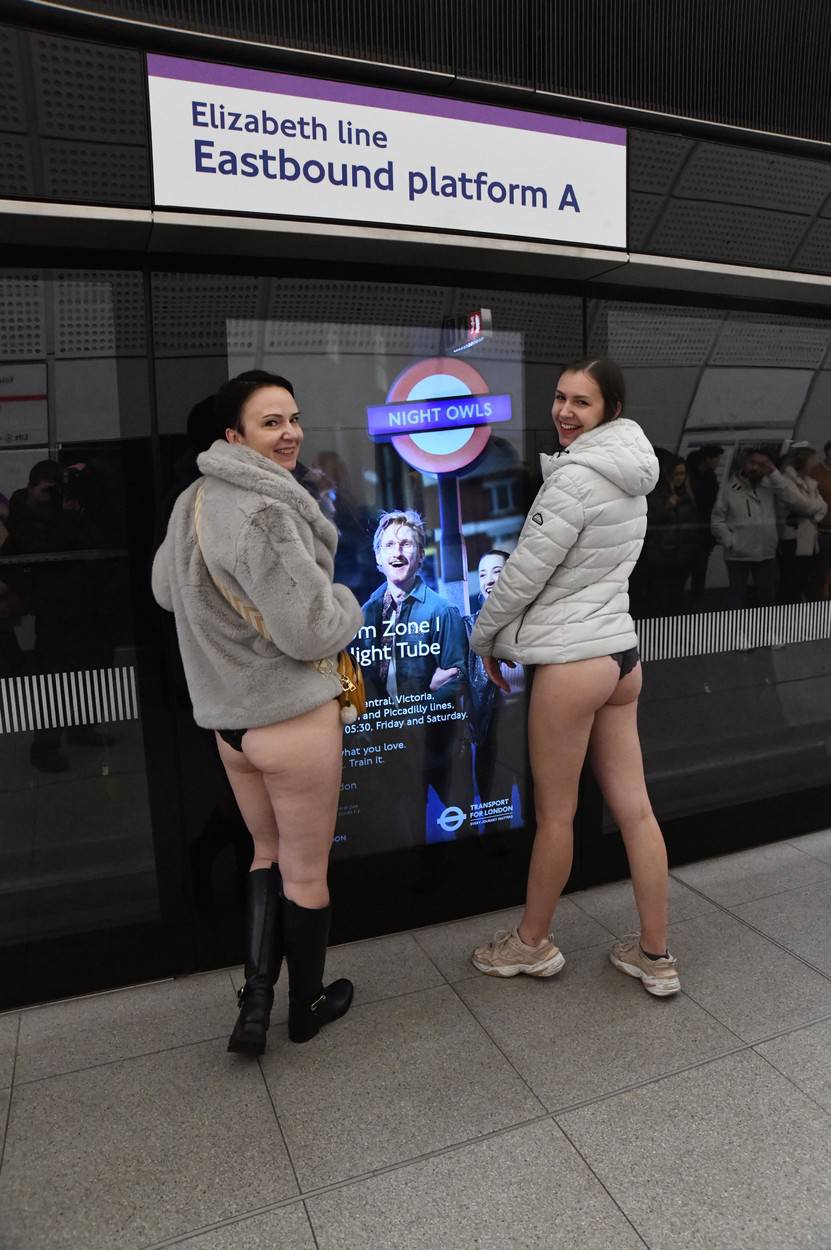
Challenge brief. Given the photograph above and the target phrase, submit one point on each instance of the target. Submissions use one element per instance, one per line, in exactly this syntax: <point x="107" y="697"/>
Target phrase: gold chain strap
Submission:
<point x="249" y="613"/>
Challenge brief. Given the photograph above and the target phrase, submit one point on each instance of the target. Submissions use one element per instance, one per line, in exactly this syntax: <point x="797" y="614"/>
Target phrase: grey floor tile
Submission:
<point x="125" y="1154"/>
<point x="381" y="968"/>
<point x="8" y="1040"/>
<point x="726" y="1156"/>
<point x="391" y="1081"/>
<point x="614" y="905"/>
<point x="63" y="1037"/>
<point x="449" y="945"/>
<point x="286" y="1229"/>
<point x="590" y="1030"/>
<point x="752" y="986"/>
<point x="803" y="1057"/>
<point x="756" y="873"/>
<point x="816" y="844"/>
<point x="798" y="919"/>
<point x="526" y="1188"/>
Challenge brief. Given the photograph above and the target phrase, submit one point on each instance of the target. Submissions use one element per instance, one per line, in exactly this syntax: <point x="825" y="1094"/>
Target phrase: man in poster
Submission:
<point x="417" y="637"/>
<point x="418" y="649"/>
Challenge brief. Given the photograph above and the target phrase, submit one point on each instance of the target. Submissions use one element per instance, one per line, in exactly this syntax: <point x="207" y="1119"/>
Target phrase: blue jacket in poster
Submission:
<point x="414" y="670"/>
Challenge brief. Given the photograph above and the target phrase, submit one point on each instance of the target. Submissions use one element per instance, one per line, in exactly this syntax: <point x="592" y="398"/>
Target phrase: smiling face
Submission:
<point x="399" y="556"/>
<point x="270" y="425"/>
<point x="578" y="406"/>
<point x="489" y="569"/>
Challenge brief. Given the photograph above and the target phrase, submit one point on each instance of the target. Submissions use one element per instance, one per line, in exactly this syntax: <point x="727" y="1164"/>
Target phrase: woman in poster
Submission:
<point x="561" y="604"/>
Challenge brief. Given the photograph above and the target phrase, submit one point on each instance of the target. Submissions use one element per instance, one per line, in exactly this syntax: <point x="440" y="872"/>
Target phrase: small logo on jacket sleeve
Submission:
<point x="537" y="518"/>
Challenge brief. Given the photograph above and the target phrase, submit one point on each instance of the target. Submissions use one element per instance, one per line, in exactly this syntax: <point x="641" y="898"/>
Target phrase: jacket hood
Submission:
<point x="619" y="450"/>
<point x="239" y="465"/>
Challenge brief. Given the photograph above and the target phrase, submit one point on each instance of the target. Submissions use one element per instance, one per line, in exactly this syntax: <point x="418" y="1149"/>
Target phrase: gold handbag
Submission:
<point x="352" y="697"/>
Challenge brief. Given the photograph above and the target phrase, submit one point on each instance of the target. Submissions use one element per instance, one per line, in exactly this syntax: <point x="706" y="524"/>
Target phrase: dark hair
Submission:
<point x="203" y="425"/>
<point x="503" y="555"/>
<point x="827" y="448"/>
<point x="231" y="397"/>
<point x="46" y="471"/>
<point x="609" y="378"/>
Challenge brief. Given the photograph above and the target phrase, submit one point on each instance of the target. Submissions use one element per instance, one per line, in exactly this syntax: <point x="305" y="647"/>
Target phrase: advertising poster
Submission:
<point x="413" y="443"/>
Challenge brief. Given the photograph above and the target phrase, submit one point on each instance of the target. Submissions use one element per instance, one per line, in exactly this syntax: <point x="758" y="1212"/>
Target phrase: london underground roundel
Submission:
<point x="439" y="451"/>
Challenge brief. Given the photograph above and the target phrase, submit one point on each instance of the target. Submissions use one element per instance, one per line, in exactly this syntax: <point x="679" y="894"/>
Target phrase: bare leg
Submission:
<point x="564" y="700"/>
<point x="299" y="762"/>
<point x="254" y="804"/>
<point x="616" y="759"/>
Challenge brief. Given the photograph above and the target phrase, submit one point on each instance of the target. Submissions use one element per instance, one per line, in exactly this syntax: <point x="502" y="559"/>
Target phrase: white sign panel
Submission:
<point x="24" y="413"/>
<point x="230" y="139"/>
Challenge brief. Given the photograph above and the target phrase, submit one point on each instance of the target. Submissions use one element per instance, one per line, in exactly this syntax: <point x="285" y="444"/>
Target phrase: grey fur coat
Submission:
<point x="265" y="538"/>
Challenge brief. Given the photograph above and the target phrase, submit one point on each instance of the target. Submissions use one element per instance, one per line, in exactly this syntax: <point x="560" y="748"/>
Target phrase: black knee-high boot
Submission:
<point x="305" y="934"/>
<point x="263" y="958"/>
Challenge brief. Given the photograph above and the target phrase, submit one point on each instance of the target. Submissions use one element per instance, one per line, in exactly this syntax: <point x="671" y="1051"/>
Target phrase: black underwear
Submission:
<point x="234" y="736"/>
<point x="626" y="661"/>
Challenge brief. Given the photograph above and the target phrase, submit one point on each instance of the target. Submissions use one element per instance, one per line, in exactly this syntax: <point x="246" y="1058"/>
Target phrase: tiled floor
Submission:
<point x="450" y="1111"/>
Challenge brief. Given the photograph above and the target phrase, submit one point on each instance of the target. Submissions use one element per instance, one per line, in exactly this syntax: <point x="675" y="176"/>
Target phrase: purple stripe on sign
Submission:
<point x="416" y="416"/>
<point x="180" y="69"/>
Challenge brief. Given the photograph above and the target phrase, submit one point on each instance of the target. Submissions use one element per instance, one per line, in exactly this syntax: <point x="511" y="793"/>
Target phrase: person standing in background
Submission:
<point x="702" y="478"/>
<point x="744" y="524"/>
<point x="800" y="562"/>
<point x="821" y="473"/>
<point x="672" y="541"/>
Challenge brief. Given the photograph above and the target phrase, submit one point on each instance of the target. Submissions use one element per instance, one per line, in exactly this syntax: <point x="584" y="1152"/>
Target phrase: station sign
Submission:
<point x="234" y="139"/>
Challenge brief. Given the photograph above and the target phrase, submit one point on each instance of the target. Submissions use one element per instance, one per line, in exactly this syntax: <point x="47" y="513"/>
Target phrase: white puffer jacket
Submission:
<point x="563" y="594"/>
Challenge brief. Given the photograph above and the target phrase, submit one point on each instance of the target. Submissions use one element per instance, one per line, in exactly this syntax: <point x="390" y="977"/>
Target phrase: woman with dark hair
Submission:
<point x="246" y="567"/>
<point x="561" y="604"/>
<point x="672" y="539"/>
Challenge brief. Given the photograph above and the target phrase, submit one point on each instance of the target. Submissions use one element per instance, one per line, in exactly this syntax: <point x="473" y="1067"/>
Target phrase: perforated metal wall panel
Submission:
<point x="655" y="159"/>
<point x="815" y="253"/>
<point x="15" y="166"/>
<point x="764" y="340"/>
<point x="98" y="313"/>
<point x="88" y="91"/>
<point x="190" y="311"/>
<point x="727" y="232"/>
<point x="760" y="179"/>
<point x="12" y="102"/>
<point x="22" y="316"/>
<point x="643" y="213"/>
<point x="652" y="334"/>
<point x="77" y="171"/>
<point x="367" y="302"/>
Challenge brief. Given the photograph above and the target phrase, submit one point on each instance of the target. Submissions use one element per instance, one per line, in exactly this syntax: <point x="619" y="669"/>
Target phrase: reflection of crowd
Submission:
<point x="62" y="510"/>
<point x="772" y="524"/>
<point x="766" y="523"/>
